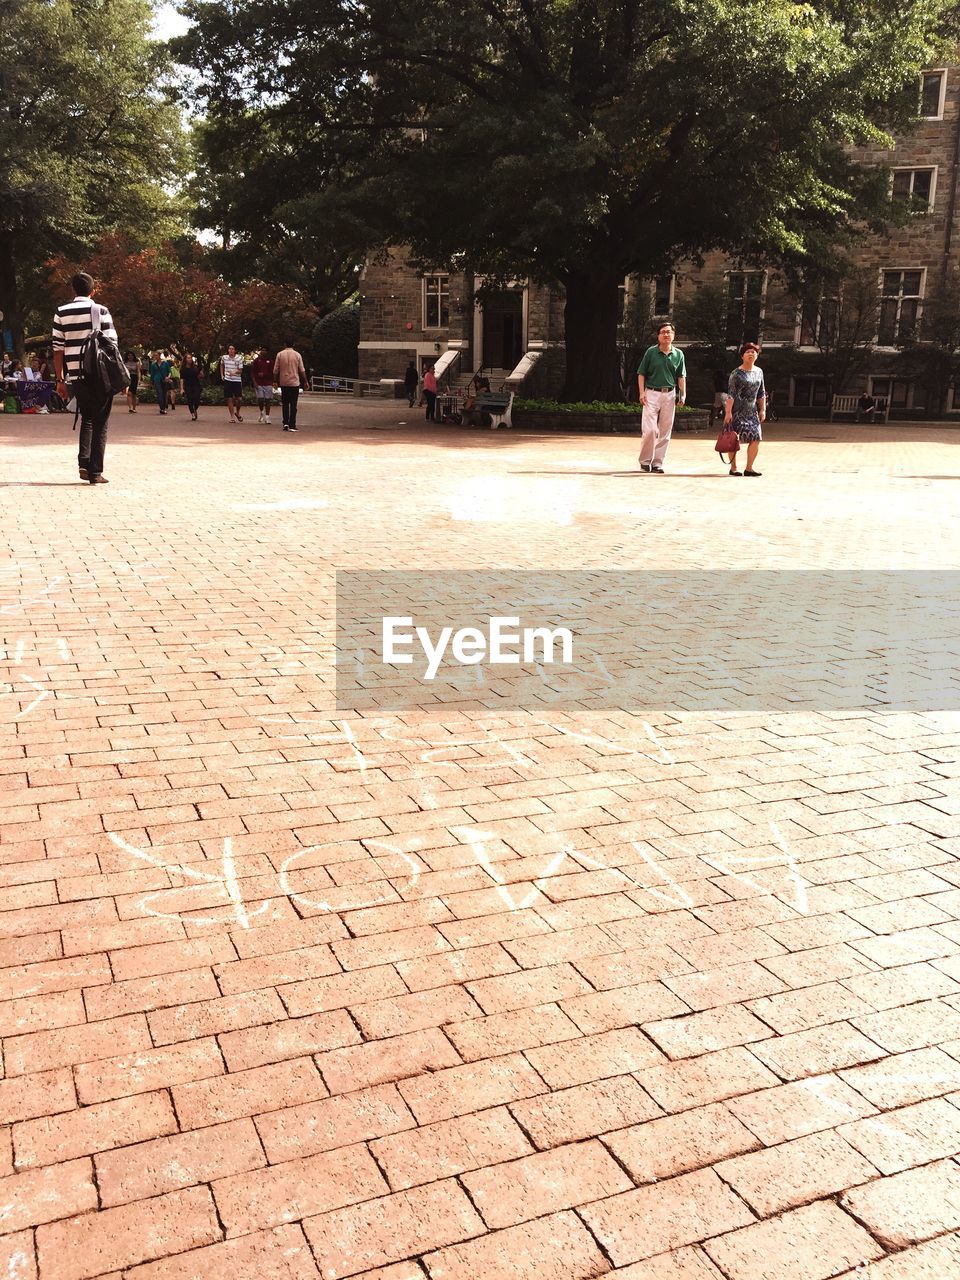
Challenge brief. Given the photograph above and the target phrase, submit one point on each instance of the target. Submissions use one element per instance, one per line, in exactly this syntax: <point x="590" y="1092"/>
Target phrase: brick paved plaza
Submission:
<point x="459" y="995"/>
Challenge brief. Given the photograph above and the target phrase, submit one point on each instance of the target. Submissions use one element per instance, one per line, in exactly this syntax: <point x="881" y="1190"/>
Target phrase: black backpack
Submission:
<point x="102" y="372"/>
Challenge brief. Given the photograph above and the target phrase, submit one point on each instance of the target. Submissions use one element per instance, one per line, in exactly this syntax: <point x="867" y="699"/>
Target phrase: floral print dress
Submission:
<point x="745" y="389"/>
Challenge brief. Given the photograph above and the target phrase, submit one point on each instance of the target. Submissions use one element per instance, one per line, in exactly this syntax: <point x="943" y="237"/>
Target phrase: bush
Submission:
<point x="592" y="406"/>
<point x="335" y="341"/>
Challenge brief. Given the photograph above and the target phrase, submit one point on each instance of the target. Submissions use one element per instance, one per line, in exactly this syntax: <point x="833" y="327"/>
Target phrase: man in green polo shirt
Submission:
<point x="662" y="379"/>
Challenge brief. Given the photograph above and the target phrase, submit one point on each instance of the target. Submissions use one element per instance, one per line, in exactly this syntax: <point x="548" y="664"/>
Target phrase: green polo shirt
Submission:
<point x="659" y="370"/>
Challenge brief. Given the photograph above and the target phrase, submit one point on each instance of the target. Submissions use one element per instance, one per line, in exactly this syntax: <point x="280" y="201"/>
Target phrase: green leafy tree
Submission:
<point x="931" y="353"/>
<point x="840" y="314"/>
<point x="335" y="340"/>
<point x="572" y="141"/>
<point x="86" y="143"/>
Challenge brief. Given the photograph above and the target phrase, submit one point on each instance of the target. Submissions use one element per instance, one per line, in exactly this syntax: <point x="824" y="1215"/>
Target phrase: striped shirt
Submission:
<point x="232" y="368"/>
<point x="71" y="327"/>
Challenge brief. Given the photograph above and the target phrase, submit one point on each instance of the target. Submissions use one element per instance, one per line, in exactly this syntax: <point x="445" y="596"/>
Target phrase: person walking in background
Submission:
<point x="73" y="323"/>
<point x="231" y="372"/>
<point x="411" y="382"/>
<point x="192" y="384"/>
<point x="662" y="383"/>
<point x="173" y="383"/>
<point x="289" y="375"/>
<point x="133" y="369"/>
<point x="746" y="407"/>
<point x="262" y="372"/>
<point x="160" y="368"/>
<point x="430" y="393"/>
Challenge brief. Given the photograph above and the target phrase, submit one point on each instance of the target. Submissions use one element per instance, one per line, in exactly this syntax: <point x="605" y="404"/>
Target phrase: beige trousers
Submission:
<point x="656" y="426"/>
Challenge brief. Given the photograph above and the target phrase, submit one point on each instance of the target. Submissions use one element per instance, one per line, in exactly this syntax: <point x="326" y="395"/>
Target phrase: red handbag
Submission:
<point x="727" y="441"/>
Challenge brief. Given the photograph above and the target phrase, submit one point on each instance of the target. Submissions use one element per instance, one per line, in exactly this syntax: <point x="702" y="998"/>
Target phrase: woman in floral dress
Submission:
<point x="746" y="407"/>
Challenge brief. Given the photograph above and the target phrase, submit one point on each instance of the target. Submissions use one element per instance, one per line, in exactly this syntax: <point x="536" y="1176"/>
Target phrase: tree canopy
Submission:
<point x="87" y="142"/>
<point x="572" y="141"/>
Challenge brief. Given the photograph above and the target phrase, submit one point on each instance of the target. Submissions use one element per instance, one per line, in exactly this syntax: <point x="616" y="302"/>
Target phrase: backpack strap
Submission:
<point x="95" y="317"/>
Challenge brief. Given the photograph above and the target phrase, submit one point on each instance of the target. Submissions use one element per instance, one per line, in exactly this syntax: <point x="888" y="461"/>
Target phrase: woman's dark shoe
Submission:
<point x="753" y="473"/>
<point x="735" y="473"/>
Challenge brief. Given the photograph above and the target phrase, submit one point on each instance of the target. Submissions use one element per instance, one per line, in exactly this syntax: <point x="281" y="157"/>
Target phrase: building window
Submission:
<point x="896" y="390"/>
<point x="933" y="91"/>
<point x="916" y="186"/>
<point x="810" y="393"/>
<point x="663" y="295"/>
<point x="900" y="299"/>
<point x="436" y="302"/>
<point x="744" y="306"/>
<point x="818" y="322"/>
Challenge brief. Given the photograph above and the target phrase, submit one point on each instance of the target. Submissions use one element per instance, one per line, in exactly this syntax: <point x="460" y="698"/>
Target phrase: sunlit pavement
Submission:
<point x="287" y="993"/>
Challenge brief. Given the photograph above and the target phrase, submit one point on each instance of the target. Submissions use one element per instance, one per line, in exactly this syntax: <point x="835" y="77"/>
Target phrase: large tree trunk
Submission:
<point x="591" y="316"/>
<point x="10" y="296"/>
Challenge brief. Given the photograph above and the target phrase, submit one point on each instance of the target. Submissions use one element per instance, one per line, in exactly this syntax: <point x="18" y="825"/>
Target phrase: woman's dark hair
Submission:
<point x="749" y="346"/>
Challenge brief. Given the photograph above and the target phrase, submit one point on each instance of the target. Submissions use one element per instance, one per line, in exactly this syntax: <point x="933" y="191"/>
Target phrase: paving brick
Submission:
<point x="796" y="1172"/>
<point x="180" y="1160"/>
<point x="138" y="995"/>
<point x="50" y="1139"/>
<point x="93" y="1244"/>
<point x="930" y="1261"/>
<point x="460" y="1090"/>
<point x="17" y="1256"/>
<point x="697" y="1033"/>
<point x="269" y="971"/>
<point x="42" y="1013"/>
<point x="141" y="1072"/>
<point x="594" y="1057"/>
<point x="456" y="966"/>
<point x="280" y="1254"/>
<point x="403" y="944"/>
<point x="333" y="1122"/>
<point x="40" y="1094"/>
<point x="928" y="1023"/>
<point x="507" y="1032"/>
<point x="909" y="1206"/>
<point x="544" y="1183"/>
<point x="209" y="1017"/>
<point x="676" y="1144"/>
<point x="383" y="1061"/>
<point x="450" y="1147"/>
<point x="677" y="1086"/>
<point x="54" y="975"/>
<point x="729" y="985"/>
<point x="320" y="994"/>
<point x="907" y="1137"/>
<point x="905" y="1077"/>
<point x="292" y="1038"/>
<point x="818" y="1051"/>
<point x="802" y="1107"/>
<point x="402" y="1014"/>
<point x="583" y="1111"/>
<point x="682" y="1264"/>
<point x="811" y="1243"/>
<point x="394" y="1227"/>
<point x="526" y="989"/>
<point x="44" y="1195"/>
<point x="664" y="1216"/>
<point x="170" y="957"/>
<point x="296" y="1189"/>
<point x="555" y="1248"/>
<point x="247" y="1093"/>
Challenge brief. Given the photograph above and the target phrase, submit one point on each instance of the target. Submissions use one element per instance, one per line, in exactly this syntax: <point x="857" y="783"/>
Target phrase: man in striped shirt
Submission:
<point x="231" y="372"/>
<point x="72" y="325"/>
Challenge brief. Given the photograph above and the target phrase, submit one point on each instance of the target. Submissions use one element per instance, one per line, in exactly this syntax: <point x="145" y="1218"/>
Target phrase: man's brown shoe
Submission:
<point x="99" y="480"/>
<point x="84" y="473"/>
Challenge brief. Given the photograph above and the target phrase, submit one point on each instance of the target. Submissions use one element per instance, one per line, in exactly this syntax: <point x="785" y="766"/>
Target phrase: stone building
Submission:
<point x="449" y="318"/>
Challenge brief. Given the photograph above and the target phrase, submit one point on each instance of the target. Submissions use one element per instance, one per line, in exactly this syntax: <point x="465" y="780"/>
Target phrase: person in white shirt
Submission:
<point x="231" y="372"/>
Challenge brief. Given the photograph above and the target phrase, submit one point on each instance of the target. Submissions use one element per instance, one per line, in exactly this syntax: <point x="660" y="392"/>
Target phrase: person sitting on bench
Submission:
<point x="866" y="407"/>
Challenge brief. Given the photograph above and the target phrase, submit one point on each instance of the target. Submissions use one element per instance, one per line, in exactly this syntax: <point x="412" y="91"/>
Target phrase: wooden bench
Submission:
<point x="851" y="404"/>
<point x="499" y="406"/>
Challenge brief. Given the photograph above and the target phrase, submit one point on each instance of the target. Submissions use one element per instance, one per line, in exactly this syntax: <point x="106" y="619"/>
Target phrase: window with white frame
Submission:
<point x="663" y="295"/>
<point x="436" y="301"/>
<point x="819" y="318"/>
<point x="811" y="392"/>
<point x="744" y="306"/>
<point x="916" y="186"/>
<point x="933" y="92"/>
<point x="901" y="296"/>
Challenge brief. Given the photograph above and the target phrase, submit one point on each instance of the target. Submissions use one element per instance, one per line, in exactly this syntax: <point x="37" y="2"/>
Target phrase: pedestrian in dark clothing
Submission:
<point x="411" y="380"/>
<point x="192" y="384"/>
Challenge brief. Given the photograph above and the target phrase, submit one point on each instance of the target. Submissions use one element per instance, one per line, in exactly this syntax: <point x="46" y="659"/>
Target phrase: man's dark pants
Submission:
<point x="94" y="422"/>
<point x="288" y="404"/>
<point x="431" y="399"/>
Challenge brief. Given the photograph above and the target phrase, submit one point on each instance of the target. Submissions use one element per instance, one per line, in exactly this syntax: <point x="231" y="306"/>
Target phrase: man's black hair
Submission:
<point x="82" y="284"/>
